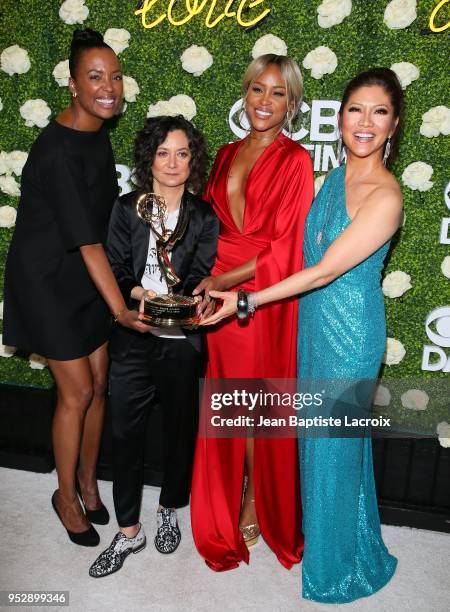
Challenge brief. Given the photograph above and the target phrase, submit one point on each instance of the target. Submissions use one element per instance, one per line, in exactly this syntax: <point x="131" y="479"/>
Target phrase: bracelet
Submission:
<point x="116" y="316"/>
<point x="246" y="304"/>
<point x="252" y="303"/>
<point x="242" y="305"/>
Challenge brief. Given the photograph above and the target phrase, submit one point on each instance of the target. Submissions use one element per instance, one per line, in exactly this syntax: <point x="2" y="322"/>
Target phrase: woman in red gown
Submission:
<point x="261" y="189"/>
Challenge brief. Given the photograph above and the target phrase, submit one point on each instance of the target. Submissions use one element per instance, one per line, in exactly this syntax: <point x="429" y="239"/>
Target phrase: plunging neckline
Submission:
<point x="233" y="159"/>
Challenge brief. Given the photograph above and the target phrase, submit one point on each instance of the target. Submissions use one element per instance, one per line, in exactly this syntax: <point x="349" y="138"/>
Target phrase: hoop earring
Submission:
<point x="289" y="119"/>
<point x="74" y="94"/>
<point x="243" y="111"/>
<point x="387" y="151"/>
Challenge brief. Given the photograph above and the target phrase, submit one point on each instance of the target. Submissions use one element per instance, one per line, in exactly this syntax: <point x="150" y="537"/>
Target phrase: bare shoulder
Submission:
<point x="386" y="193"/>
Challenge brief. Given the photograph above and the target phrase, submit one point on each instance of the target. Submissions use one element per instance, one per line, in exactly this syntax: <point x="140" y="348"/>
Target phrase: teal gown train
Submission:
<point x="342" y="336"/>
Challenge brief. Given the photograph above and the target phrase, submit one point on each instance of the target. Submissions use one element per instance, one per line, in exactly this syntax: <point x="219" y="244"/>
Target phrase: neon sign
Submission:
<point x="436" y="10"/>
<point x="150" y="17"/>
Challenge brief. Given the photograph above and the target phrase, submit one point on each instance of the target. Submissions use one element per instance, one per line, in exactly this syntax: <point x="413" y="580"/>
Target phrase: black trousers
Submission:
<point x="167" y="371"/>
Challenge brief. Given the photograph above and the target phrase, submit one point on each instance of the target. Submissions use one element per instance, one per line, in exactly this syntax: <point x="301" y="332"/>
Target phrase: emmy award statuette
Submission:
<point x="166" y="310"/>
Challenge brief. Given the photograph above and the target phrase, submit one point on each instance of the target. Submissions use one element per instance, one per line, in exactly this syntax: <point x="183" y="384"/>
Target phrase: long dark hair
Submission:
<point x="83" y="40"/>
<point x="153" y="134"/>
<point x="387" y="79"/>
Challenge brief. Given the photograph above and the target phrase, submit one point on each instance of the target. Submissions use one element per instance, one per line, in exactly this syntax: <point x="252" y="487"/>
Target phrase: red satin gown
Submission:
<point x="278" y="196"/>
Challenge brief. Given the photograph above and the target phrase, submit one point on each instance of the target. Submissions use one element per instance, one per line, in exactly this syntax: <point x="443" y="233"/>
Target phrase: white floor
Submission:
<point x="36" y="554"/>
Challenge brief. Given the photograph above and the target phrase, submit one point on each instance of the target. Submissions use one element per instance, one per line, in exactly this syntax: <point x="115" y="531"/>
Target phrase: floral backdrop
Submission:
<point x="195" y="69"/>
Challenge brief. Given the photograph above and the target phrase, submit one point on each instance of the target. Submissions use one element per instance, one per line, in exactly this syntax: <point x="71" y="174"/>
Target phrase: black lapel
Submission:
<point x="140" y="236"/>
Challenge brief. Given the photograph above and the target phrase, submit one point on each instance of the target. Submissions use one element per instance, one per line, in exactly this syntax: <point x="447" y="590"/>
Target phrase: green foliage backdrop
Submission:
<point x="362" y="40"/>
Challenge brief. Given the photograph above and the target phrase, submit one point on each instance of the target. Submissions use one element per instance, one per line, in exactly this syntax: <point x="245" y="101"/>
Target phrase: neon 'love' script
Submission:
<point x="246" y="12"/>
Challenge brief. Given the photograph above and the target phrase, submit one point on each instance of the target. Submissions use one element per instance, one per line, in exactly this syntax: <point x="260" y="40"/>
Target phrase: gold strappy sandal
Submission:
<point x="251" y="532"/>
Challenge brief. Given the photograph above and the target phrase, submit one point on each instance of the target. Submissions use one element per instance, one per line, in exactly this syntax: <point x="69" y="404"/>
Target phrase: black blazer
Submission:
<point x="127" y="248"/>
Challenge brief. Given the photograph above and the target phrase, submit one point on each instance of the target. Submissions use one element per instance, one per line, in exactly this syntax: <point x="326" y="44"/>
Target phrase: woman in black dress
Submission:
<point x="60" y="291"/>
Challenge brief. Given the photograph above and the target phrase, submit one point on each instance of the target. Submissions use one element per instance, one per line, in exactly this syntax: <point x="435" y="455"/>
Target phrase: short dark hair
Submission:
<point x="83" y="40"/>
<point x="388" y="80"/>
<point x="153" y="134"/>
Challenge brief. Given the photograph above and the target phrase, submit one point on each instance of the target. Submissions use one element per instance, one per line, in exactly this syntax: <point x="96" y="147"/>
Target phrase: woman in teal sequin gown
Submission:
<point x="344" y="557"/>
<point x="342" y="337"/>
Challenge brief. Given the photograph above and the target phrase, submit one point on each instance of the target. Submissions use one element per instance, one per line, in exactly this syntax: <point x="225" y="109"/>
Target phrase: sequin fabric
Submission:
<point x="342" y="335"/>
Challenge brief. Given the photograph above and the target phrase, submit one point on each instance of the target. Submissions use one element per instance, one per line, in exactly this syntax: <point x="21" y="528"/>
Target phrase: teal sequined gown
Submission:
<point x="342" y="336"/>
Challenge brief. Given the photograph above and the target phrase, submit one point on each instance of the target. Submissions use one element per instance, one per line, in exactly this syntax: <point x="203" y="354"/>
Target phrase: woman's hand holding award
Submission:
<point x="166" y="310"/>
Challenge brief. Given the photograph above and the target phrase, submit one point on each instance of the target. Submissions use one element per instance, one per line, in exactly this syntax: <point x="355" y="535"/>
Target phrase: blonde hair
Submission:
<point x="291" y="75"/>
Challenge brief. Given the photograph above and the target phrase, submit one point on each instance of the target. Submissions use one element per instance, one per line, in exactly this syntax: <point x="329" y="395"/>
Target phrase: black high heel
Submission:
<point x="99" y="516"/>
<point x="89" y="537"/>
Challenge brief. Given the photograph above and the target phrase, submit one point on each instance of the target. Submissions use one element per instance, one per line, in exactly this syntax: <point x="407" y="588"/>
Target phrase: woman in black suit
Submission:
<point x="165" y="364"/>
<point x="60" y="291"/>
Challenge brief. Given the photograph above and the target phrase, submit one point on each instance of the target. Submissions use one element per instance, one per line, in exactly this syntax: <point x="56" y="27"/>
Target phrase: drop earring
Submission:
<point x="340" y="150"/>
<point x="387" y="151"/>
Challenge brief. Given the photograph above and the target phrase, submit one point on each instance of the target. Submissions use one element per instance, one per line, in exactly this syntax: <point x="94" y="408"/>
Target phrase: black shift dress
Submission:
<point x="69" y="185"/>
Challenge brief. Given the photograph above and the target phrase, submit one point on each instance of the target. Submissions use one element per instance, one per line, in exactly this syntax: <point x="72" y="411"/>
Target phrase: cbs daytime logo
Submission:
<point x="322" y="115"/>
<point x="437" y="326"/>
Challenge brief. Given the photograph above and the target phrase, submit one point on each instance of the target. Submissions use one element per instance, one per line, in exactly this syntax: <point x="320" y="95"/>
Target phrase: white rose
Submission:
<point x="176" y="105"/>
<point x="406" y="73"/>
<point x="35" y="112"/>
<point x="61" y="73"/>
<point x="333" y="12"/>
<point x="8" y="216"/>
<point x="130" y="89"/>
<point x="5" y="350"/>
<point x="4" y="163"/>
<point x="159" y="109"/>
<point x="37" y="362"/>
<point x="443" y="432"/>
<point x="183" y="105"/>
<point x="12" y="162"/>
<point x="196" y="60"/>
<point x="16" y="161"/>
<point x="15" y="60"/>
<point x="117" y="38"/>
<point x="436" y="121"/>
<point x="415" y="399"/>
<point x="445" y="266"/>
<point x="73" y="11"/>
<point x="395" y="351"/>
<point x="320" y="61"/>
<point x="318" y="182"/>
<point x="382" y="396"/>
<point x="417" y="176"/>
<point x="1" y="310"/>
<point x="9" y="186"/>
<point x="400" y="14"/>
<point x="269" y="44"/>
<point x="1" y="105"/>
<point x="396" y="283"/>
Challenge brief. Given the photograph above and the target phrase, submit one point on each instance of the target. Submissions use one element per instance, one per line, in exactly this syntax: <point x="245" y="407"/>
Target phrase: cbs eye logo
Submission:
<point x="437" y="327"/>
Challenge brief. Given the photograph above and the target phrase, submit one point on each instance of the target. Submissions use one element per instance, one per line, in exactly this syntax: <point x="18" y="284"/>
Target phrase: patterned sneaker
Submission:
<point x="111" y="559"/>
<point x="168" y="535"/>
